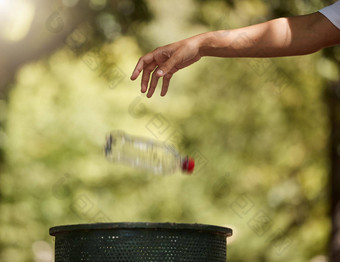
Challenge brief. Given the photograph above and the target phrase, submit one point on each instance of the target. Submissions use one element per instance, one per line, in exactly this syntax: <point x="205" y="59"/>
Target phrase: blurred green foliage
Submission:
<point x="257" y="127"/>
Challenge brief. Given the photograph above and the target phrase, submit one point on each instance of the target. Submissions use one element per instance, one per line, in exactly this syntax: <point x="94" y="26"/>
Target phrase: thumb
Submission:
<point x="168" y="65"/>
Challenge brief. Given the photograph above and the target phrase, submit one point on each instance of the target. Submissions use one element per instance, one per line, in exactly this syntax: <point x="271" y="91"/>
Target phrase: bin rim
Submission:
<point x="226" y="232"/>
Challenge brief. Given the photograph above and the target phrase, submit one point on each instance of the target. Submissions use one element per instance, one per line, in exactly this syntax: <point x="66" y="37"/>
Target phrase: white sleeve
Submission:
<point x="332" y="12"/>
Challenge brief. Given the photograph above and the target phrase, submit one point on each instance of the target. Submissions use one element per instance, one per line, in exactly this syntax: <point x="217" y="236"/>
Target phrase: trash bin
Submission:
<point x="163" y="242"/>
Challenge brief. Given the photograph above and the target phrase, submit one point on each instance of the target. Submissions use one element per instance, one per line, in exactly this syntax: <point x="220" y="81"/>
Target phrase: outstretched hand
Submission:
<point x="164" y="62"/>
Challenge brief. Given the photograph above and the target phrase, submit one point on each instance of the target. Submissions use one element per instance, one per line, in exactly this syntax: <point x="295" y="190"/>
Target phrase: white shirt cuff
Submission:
<point x="332" y="12"/>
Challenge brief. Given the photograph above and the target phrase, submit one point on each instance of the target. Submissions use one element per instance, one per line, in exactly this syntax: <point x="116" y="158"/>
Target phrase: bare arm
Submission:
<point x="279" y="37"/>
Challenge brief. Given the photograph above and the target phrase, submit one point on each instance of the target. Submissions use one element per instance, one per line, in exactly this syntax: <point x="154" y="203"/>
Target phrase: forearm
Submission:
<point x="280" y="37"/>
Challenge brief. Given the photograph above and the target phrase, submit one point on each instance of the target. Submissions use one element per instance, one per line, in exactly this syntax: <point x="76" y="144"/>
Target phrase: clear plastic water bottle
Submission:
<point x="146" y="154"/>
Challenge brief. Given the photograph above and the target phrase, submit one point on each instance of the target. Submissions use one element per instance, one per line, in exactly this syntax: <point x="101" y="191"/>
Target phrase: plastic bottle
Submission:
<point x="146" y="154"/>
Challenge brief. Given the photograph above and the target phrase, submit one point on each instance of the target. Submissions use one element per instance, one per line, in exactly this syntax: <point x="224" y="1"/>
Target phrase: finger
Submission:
<point x="165" y="85"/>
<point x="169" y="65"/>
<point x="146" y="76"/>
<point x="142" y="62"/>
<point x="153" y="84"/>
<point x="166" y="81"/>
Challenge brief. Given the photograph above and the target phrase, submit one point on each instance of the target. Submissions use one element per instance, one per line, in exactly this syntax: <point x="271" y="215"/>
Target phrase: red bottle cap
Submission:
<point x="188" y="164"/>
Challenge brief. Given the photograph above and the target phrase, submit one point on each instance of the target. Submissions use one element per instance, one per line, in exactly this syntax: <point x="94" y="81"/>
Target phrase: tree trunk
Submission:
<point x="334" y="103"/>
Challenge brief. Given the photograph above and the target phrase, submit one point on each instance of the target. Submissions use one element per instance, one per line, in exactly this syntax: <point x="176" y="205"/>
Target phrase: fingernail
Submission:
<point x="160" y="72"/>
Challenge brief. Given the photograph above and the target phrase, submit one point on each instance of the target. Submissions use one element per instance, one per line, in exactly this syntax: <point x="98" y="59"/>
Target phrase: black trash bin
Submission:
<point x="125" y="242"/>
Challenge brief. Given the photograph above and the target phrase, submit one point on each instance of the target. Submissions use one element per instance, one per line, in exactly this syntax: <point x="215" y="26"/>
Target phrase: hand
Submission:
<point x="164" y="62"/>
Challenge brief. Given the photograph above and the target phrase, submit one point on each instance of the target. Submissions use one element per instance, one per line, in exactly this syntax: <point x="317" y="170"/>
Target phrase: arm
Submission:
<point x="280" y="37"/>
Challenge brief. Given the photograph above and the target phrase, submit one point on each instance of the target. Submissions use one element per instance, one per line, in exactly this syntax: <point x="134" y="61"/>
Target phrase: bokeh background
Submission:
<point x="261" y="130"/>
